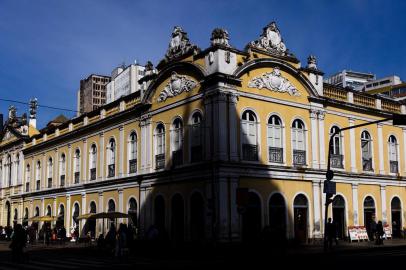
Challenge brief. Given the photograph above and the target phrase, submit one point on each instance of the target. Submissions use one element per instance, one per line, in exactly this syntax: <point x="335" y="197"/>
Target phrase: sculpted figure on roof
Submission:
<point x="179" y="44"/>
<point x="270" y="40"/>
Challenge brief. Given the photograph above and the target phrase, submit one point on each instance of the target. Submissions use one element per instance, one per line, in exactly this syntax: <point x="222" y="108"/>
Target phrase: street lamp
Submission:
<point x="330" y="186"/>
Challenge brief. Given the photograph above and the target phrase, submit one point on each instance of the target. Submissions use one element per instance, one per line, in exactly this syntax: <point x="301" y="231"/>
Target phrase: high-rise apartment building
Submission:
<point x="351" y="79"/>
<point x="92" y="93"/>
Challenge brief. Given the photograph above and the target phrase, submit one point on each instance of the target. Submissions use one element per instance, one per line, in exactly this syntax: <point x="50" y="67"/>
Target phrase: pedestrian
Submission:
<point x="18" y="242"/>
<point x="372" y="228"/>
<point x="331" y="233"/>
<point x="379" y="233"/>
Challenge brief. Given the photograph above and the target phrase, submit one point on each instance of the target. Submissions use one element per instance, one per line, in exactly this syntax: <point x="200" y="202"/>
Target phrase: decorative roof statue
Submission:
<point x="312" y="62"/>
<point x="149" y="66"/>
<point x="270" y="40"/>
<point x="179" y="44"/>
<point x="12" y="113"/>
<point x="33" y="108"/>
<point x="220" y="36"/>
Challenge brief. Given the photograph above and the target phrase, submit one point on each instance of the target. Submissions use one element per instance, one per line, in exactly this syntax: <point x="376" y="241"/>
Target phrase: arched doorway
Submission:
<point x="339" y="215"/>
<point x="396" y="210"/>
<point x="159" y="213"/>
<point x="8" y="213"/>
<point x="300" y="209"/>
<point x="369" y="215"/>
<point x="197" y="219"/>
<point x="252" y="219"/>
<point x="92" y="222"/>
<point x="25" y="220"/>
<point x="60" y="221"/>
<point x="75" y="214"/>
<point x="277" y="215"/>
<point x="132" y="211"/>
<point x="178" y="219"/>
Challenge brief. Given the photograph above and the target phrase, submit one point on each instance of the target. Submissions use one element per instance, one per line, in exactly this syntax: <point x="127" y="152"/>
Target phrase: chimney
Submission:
<point x="1" y="122"/>
<point x="33" y="112"/>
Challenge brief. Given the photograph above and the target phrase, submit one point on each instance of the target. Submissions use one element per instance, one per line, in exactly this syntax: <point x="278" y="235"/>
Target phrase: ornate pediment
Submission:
<point x="179" y="45"/>
<point x="177" y="85"/>
<point x="274" y="81"/>
<point x="270" y="40"/>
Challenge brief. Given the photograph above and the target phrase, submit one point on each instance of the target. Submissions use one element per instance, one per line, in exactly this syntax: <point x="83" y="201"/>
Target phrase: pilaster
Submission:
<point x="380" y="149"/>
<point x="322" y="145"/>
<point x="355" y="203"/>
<point x="314" y="138"/>
<point x="351" y="122"/>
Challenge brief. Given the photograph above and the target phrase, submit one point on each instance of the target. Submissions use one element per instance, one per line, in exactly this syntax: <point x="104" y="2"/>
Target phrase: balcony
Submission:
<point x="50" y="182"/>
<point x="62" y="180"/>
<point x="394" y="166"/>
<point x="112" y="170"/>
<point x="336" y="161"/>
<point x="159" y="161"/>
<point x="275" y="154"/>
<point x="367" y="165"/>
<point x="132" y="164"/>
<point x="38" y="187"/>
<point x="177" y="158"/>
<point x="299" y="157"/>
<point x="250" y="152"/>
<point x="196" y="153"/>
<point x="77" y="176"/>
<point x="93" y="174"/>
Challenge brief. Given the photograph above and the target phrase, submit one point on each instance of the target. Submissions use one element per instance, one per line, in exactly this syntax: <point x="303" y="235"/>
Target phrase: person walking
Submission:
<point x="379" y="233"/>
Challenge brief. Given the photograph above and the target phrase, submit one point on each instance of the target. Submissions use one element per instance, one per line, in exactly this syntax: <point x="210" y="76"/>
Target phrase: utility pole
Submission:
<point x="330" y="186"/>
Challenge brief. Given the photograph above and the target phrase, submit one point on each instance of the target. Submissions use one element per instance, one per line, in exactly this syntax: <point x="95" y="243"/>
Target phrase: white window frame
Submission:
<point x="283" y="140"/>
<point x="371" y="141"/>
<point x="256" y="124"/>
<point x="305" y="141"/>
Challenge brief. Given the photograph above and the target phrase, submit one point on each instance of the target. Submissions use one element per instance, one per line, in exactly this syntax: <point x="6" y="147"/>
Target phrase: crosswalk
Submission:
<point x="72" y="263"/>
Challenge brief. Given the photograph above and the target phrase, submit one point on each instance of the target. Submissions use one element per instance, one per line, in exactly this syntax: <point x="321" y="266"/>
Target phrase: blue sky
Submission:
<point x="47" y="46"/>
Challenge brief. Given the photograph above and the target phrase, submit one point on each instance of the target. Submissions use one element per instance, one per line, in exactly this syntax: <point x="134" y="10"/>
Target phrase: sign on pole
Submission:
<point x="329" y="187"/>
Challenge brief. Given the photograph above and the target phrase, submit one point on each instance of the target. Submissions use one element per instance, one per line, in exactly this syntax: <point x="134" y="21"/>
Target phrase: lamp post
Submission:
<point x="329" y="186"/>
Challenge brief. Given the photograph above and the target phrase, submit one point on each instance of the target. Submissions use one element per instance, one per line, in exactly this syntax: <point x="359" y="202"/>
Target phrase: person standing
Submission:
<point x="379" y="233"/>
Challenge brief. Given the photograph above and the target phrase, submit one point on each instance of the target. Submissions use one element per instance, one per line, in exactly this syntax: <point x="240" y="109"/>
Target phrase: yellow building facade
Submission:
<point x="218" y="144"/>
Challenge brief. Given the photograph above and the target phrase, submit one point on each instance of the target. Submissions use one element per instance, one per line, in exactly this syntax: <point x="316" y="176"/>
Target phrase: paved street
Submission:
<point x="343" y="257"/>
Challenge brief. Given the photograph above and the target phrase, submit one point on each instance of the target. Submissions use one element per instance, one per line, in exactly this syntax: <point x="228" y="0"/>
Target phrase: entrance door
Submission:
<point x="300" y="218"/>
<point x="277" y="215"/>
<point x="369" y="215"/>
<point x="396" y="211"/>
<point x="197" y="221"/>
<point x="251" y="219"/>
<point x="178" y="219"/>
<point x="339" y="215"/>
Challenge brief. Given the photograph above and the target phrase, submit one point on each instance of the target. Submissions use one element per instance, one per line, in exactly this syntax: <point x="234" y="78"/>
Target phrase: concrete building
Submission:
<point x="92" y="93"/>
<point x="124" y="81"/>
<point x="352" y="79"/>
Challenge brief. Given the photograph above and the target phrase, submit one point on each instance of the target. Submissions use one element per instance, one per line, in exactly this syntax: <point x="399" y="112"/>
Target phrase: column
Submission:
<point x="121" y="155"/>
<point x="235" y="221"/>
<point x="143" y="210"/>
<point x="322" y="144"/>
<point x="313" y="135"/>
<point x="99" y="210"/>
<point x="352" y="147"/>
<point x="31" y="214"/>
<point x="69" y="170"/>
<point x="220" y="138"/>
<point x="233" y="126"/>
<point x="383" y="204"/>
<point x="68" y="217"/>
<point x="120" y="203"/>
<point x="316" y="209"/>
<point x="54" y="210"/>
<point x="56" y="179"/>
<point x="85" y="156"/>
<point x="208" y="130"/>
<point x="146" y="145"/>
<point x="223" y="202"/>
<point x="355" y="203"/>
<point x="44" y="172"/>
<point x="380" y="149"/>
<point x="101" y="169"/>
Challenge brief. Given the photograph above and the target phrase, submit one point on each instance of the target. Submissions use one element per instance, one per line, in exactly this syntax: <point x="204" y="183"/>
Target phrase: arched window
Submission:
<point x="27" y="177"/>
<point x="275" y="146"/>
<point x="177" y="142"/>
<point x="393" y="154"/>
<point x="196" y="138"/>
<point x="36" y="211"/>
<point x="93" y="161"/>
<point x="277" y="214"/>
<point x="396" y="217"/>
<point x="26" y="216"/>
<point x="111" y="206"/>
<point x="298" y="143"/>
<point x="62" y="170"/>
<point x="77" y="165"/>
<point x="17" y="164"/>
<point x="366" y="145"/>
<point x="15" y="215"/>
<point x="49" y="211"/>
<point x="132" y="211"/>
<point x="336" y="149"/>
<point x="93" y="208"/>
<point x="249" y="136"/>
<point x="38" y="175"/>
<point x="9" y="170"/>
<point x="50" y="172"/>
<point x="132" y="153"/>
<point x="160" y="147"/>
<point x="111" y="158"/>
<point x="75" y="214"/>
